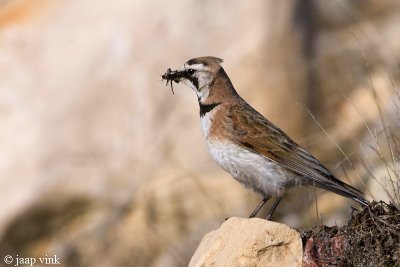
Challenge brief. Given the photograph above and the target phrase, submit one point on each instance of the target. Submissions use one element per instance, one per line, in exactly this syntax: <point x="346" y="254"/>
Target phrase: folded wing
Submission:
<point x="263" y="137"/>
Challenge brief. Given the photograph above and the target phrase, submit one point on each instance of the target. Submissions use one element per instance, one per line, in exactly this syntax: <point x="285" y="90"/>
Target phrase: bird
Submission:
<point x="252" y="149"/>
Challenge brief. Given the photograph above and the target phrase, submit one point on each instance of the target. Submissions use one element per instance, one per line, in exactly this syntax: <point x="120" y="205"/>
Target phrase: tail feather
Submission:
<point x="344" y="189"/>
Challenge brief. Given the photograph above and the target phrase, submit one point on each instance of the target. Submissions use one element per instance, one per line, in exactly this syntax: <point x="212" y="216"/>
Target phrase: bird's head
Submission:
<point x="198" y="73"/>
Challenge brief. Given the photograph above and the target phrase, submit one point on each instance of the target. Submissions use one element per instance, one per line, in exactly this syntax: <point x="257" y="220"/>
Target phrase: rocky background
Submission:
<point x="102" y="166"/>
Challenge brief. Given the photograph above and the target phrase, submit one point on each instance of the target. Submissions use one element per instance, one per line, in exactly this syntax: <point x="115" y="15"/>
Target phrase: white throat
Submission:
<point x="204" y="78"/>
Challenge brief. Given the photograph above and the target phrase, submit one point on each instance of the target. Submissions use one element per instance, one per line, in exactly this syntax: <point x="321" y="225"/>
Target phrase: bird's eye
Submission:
<point x="191" y="71"/>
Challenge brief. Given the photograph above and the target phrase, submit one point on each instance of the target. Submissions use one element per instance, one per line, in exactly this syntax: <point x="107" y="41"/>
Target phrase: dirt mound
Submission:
<point x="370" y="238"/>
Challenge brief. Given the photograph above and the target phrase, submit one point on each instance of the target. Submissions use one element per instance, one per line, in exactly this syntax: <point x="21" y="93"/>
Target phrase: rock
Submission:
<point x="369" y="238"/>
<point x="249" y="242"/>
<point x="324" y="252"/>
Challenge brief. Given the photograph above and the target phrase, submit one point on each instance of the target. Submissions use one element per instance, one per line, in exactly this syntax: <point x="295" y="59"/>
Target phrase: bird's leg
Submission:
<point x="259" y="206"/>
<point x="276" y="203"/>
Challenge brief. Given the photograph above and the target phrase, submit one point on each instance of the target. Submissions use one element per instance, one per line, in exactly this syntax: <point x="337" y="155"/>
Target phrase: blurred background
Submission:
<point x="101" y="165"/>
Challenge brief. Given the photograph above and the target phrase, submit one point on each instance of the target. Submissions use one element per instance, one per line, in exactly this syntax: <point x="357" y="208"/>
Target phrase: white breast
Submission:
<point x="251" y="169"/>
<point x="206" y="124"/>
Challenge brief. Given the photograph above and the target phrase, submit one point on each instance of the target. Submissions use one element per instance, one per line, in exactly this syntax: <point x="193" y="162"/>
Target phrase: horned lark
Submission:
<point x="245" y="144"/>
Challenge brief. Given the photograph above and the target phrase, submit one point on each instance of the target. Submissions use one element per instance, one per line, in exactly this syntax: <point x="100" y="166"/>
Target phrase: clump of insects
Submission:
<point x="171" y="76"/>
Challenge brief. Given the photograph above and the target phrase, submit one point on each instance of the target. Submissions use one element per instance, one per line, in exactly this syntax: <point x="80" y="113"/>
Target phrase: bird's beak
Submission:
<point x="174" y="75"/>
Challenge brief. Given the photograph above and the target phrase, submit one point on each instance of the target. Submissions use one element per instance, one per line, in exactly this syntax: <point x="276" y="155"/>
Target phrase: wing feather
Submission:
<point x="255" y="133"/>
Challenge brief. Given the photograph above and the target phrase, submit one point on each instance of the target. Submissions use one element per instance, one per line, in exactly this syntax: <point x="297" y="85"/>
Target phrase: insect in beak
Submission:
<point x="171" y="76"/>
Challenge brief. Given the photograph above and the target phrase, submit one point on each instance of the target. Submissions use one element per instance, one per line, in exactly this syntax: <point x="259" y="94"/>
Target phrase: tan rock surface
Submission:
<point x="249" y="242"/>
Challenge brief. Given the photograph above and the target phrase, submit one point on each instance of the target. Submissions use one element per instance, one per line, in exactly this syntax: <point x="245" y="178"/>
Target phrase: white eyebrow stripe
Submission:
<point x="196" y="66"/>
<point x="181" y="69"/>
